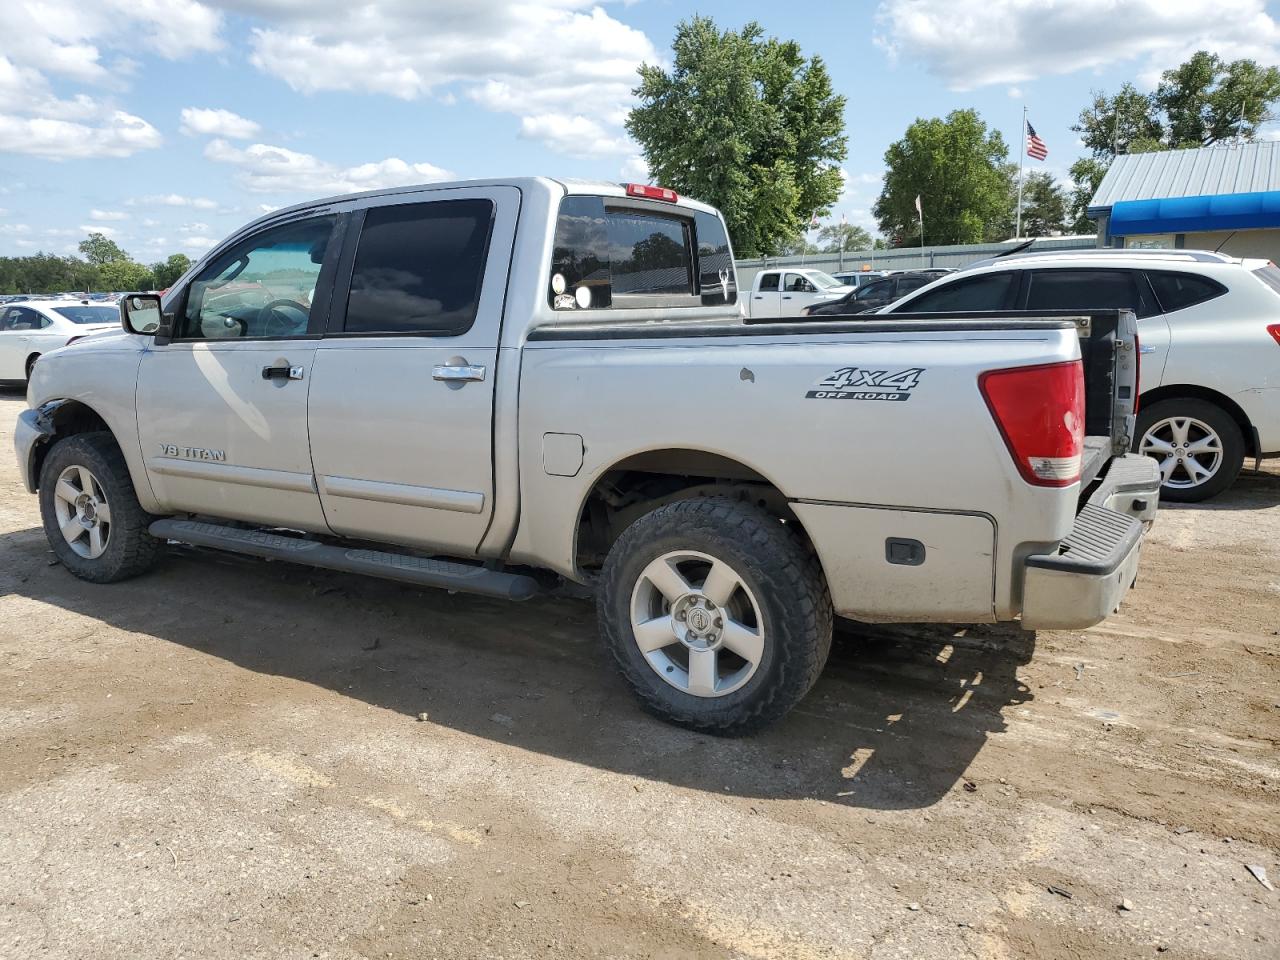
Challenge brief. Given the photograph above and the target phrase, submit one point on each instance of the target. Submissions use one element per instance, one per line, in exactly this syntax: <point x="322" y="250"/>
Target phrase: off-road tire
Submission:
<point x="130" y="550"/>
<point x="1220" y="421"/>
<point x="782" y="573"/>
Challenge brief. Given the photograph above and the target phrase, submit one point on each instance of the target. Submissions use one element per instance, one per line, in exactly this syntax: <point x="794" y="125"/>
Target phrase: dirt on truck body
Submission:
<point x="235" y="758"/>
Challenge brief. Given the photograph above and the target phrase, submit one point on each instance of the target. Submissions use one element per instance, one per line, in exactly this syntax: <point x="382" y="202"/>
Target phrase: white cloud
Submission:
<point x="194" y="228"/>
<point x="14" y="229"/>
<point x="118" y="135"/>
<point x="86" y="228"/>
<point x="537" y="59"/>
<point x="973" y="43"/>
<point x="269" y="169"/>
<point x="635" y="170"/>
<point x="1015" y="93"/>
<point x="102" y="215"/>
<point x="173" y="200"/>
<point x="197" y="244"/>
<point x="198" y="121"/>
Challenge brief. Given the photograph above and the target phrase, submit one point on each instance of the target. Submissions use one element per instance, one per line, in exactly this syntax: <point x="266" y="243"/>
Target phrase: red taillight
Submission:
<point x="651" y="193"/>
<point x="1274" y="330"/>
<point x="1040" y="413"/>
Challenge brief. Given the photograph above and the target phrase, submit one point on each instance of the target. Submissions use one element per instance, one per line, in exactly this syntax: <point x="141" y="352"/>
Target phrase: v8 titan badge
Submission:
<point x="855" y="383"/>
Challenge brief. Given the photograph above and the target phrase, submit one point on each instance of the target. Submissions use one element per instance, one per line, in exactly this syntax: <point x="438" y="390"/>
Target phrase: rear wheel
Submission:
<point x="1198" y="445"/>
<point x="91" y="515"/>
<point x="716" y="613"/>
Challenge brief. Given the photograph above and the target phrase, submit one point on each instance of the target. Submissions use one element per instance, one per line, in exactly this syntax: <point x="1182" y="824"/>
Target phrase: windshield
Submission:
<point x="823" y="281"/>
<point x="89" y="314"/>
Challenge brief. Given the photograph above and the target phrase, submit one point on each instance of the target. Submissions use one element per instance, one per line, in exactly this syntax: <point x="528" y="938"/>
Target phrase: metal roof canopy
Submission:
<point x="1248" y="168"/>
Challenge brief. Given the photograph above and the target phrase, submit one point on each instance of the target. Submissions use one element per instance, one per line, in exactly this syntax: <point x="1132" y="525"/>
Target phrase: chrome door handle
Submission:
<point x="282" y="373"/>
<point x="457" y="373"/>
<point x="1146" y="349"/>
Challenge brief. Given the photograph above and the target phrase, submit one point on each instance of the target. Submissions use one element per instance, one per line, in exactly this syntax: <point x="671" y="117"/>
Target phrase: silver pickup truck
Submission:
<point x="478" y="386"/>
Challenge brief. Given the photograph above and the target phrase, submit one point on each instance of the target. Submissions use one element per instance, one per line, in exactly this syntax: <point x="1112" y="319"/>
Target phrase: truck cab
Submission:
<point x="789" y="292"/>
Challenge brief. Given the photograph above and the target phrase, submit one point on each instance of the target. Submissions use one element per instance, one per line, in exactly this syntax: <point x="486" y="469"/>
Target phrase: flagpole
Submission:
<point x="1022" y="157"/>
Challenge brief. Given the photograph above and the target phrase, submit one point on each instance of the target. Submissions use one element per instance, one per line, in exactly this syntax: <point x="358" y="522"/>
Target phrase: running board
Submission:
<point x="422" y="571"/>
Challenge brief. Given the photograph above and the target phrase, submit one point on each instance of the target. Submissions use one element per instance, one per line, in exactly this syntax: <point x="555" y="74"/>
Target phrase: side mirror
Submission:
<point x="140" y="313"/>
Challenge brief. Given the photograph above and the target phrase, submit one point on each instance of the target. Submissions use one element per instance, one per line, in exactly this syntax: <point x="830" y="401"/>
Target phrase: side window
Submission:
<point x="909" y="284"/>
<point x="769" y="283"/>
<point x="717" y="279"/>
<point x="261" y="287"/>
<point x="25" y="319"/>
<point x="1176" y="290"/>
<point x="419" y="268"/>
<point x="990" y="291"/>
<point x="796" y="283"/>
<point x="1082" y="289"/>
<point x="875" y="291"/>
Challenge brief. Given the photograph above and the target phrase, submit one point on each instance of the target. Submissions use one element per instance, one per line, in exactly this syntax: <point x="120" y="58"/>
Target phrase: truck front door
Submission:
<point x="401" y="410"/>
<point x="222" y="408"/>
<point x="798" y="292"/>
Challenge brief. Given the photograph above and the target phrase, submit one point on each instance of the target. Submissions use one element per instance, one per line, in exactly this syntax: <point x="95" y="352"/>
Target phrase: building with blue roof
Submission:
<point x="1225" y="197"/>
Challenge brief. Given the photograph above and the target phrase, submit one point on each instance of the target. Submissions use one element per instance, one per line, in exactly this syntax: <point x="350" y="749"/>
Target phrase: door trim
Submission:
<point x="404" y="494"/>
<point x="232" y="473"/>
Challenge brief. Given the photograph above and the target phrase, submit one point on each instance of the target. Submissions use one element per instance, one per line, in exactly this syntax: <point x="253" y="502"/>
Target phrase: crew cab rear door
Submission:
<point x="401" y="406"/>
<point x="765" y="296"/>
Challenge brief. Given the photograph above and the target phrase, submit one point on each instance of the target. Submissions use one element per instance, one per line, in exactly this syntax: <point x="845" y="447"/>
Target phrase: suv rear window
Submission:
<point x="626" y="256"/>
<point x="1176" y="290"/>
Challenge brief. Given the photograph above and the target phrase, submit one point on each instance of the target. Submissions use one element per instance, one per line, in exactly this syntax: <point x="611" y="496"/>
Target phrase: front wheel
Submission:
<point x="1198" y="445"/>
<point x="91" y="515"/>
<point x="716" y="613"/>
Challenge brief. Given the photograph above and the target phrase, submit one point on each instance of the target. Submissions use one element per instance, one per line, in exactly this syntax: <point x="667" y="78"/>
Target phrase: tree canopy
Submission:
<point x="104" y="266"/>
<point x="957" y="167"/>
<point x="835" y="237"/>
<point x="747" y="124"/>
<point x="1044" y="206"/>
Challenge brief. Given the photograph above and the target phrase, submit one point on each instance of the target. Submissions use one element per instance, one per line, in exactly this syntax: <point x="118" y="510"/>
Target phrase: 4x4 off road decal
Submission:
<point x="854" y="383"/>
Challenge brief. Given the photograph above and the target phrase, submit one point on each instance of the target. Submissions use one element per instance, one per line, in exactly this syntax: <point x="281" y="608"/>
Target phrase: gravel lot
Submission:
<point x="225" y="759"/>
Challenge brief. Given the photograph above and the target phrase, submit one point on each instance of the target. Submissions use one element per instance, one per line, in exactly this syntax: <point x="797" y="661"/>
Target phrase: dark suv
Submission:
<point x="873" y="296"/>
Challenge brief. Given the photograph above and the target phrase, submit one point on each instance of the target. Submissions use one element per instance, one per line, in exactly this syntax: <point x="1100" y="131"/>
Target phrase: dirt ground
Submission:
<point x="225" y="759"/>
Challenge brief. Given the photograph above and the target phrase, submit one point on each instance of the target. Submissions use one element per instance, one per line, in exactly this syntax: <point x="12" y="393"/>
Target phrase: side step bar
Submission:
<point x="422" y="571"/>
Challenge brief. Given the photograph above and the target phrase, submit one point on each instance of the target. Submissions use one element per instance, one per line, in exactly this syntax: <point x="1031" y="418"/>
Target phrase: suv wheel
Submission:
<point x="1199" y="446"/>
<point x="91" y="515"/>
<point x="716" y="613"/>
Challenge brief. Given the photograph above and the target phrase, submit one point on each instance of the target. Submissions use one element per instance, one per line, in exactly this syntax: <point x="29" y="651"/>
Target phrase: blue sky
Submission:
<point x="167" y="123"/>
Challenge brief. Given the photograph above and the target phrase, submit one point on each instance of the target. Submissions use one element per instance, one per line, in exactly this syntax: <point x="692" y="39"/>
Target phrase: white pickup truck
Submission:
<point x="475" y="385"/>
<point x="787" y="292"/>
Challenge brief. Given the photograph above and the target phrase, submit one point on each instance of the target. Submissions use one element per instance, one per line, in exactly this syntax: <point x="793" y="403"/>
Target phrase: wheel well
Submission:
<point x="30" y="360"/>
<point x="68" y="417"/>
<point x="1191" y="391"/>
<point x="646" y="481"/>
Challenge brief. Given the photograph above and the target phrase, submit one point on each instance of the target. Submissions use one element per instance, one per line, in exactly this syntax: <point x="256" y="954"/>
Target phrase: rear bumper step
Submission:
<point x="422" y="571"/>
<point x="1083" y="582"/>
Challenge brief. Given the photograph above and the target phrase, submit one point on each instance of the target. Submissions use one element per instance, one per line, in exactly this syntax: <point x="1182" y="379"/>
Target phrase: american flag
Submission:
<point x="1036" y="149"/>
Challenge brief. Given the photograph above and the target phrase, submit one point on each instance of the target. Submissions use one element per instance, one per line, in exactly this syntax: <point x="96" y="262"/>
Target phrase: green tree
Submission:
<point x="1125" y="123"/>
<point x="124" y="275"/>
<point x="99" y="249"/>
<point x="1086" y="176"/>
<point x="167" y="272"/>
<point x="1208" y="99"/>
<point x="795" y="246"/>
<point x="747" y="124"/>
<point x="1044" y="206"/>
<point x="835" y="237"/>
<point x="957" y="167"/>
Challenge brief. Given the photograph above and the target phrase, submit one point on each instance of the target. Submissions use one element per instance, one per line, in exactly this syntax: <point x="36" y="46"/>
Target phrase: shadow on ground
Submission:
<point x="897" y="718"/>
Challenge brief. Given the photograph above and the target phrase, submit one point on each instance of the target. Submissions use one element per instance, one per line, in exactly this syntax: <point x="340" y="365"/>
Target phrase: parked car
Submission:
<point x="1210" y="331"/>
<point x="875" y="295"/>
<point x="495" y="376"/>
<point x="786" y="292"/>
<point x="30" y="328"/>
<point x="858" y="278"/>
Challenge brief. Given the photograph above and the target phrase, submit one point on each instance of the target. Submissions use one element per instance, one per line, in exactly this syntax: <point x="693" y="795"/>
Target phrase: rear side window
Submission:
<point x="908" y="284"/>
<point x="1081" y="289"/>
<point x="987" y="292"/>
<point x="1270" y="275"/>
<point x="769" y="282"/>
<point x="625" y="256"/>
<point x="1176" y="290"/>
<point x="419" y="268"/>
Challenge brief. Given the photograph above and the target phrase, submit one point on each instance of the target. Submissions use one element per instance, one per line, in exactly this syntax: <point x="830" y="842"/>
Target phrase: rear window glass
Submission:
<point x="418" y="268"/>
<point x="1176" y="290"/>
<point x="624" y="256"/>
<point x="769" y="281"/>
<point x="90" y="314"/>
<point x="1081" y="289"/>
<point x="987" y="292"/>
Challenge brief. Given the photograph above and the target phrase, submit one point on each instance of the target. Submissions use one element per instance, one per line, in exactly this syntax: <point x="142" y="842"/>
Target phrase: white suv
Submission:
<point x="1210" y="331"/>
